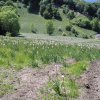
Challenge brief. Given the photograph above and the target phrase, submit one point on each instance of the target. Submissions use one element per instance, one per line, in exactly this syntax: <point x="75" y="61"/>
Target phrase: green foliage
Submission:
<point x="8" y="8"/>
<point x="9" y="3"/>
<point x="33" y="29"/>
<point x="74" y="31"/>
<point x="71" y="15"/>
<point x="82" y="21"/>
<point x="9" y="21"/>
<point x="2" y="3"/>
<point x="60" y="89"/>
<point x="68" y="27"/>
<point x="49" y="27"/>
<point x="78" y="68"/>
<point x="95" y="25"/>
<point x="49" y="11"/>
<point x="5" y="88"/>
<point x="8" y="34"/>
<point x="65" y="9"/>
<point x="98" y="13"/>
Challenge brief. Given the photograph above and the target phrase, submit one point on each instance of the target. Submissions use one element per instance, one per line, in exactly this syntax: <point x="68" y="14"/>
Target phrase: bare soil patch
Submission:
<point x="90" y="82"/>
<point x="30" y="81"/>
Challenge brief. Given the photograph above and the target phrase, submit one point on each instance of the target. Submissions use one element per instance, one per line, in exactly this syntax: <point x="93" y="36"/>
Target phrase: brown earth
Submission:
<point x="31" y="81"/>
<point x="90" y="82"/>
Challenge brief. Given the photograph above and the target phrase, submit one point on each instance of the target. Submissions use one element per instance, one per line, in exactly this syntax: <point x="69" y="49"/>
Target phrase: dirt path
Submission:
<point x="30" y="81"/>
<point x="90" y="82"/>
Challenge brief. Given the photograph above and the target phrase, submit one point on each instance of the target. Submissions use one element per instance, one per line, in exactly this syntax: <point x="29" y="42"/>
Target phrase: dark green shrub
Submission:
<point x="73" y="30"/>
<point x="98" y="13"/>
<point x="85" y="36"/>
<point x="33" y="29"/>
<point x="65" y="9"/>
<point x="9" y="3"/>
<point x="47" y="15"/>
<point x="42" y="9"/>
<point x="8" y="34"/>
<point x="71" y="15"/>
<point x="49" y="11"/>
<point x="50" y="27"/>
<point x="9" y="8"/>
<point x="83" y="22"/>
<point x="64" y="34"/>
<point x="68" y="27"/>
<point x="9" y="23"/>
<point x="95" y="25"/>
<point x="2" y="3"/>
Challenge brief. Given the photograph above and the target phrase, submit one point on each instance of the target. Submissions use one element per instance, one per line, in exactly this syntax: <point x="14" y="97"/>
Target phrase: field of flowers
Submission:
<point x="19" y="53"/>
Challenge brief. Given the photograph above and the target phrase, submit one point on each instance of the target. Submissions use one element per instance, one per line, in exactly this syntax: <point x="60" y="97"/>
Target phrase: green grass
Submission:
<point x="60" y="89"/>
<point x="5" y="88"/>
<point x="26" y="20"/>
<point x="76" y="69"/>
<point x="6" y="81"/>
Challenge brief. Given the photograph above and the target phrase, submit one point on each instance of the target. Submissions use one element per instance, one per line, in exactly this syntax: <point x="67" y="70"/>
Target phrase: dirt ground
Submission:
<point x="90" y="82"/>
<point x="31" y="80"/>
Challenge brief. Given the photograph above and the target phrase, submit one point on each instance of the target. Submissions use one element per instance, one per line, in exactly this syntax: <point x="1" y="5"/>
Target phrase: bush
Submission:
<point x="95" y="25"/>
<point x="65" y="9"/>
<point x="49" y="11"/>
<point x="50" y="27"/>
<point x="9" y="3"/>
<point x="85" y="36"/>
<point x="33" y="29"/>
<point x="9" y="8"/>
<point x="73" y="30"/>
<point x="64" y="34"/>
<point x="9" y="23"/>
<point x="82" y="22"/>
<point x="2" y="3"/>
<point x="8" y="34"/>
<point x="71" y="15"/>
<point x="47" y="15"/>
<point x="98" y="13"/>
<point x="68" y="27"/>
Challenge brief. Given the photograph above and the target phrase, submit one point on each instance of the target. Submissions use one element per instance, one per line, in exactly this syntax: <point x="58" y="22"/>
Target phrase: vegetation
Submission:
<point x="65" y="11"/>
<point x="9" y="20"/>
<point x="54" y="17"/>
<point x="17" y="53"/>
<point x="50" y="27"/>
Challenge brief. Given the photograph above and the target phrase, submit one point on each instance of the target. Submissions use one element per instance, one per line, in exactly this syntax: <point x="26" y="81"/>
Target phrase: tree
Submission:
<point x="95" y="25"/>
<point x="98" y="13"/>
<point x="50" y="27"/>
<point x="70" y="14"/>
<point x="9" y="23"/>
<point x="2" y="3"/>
